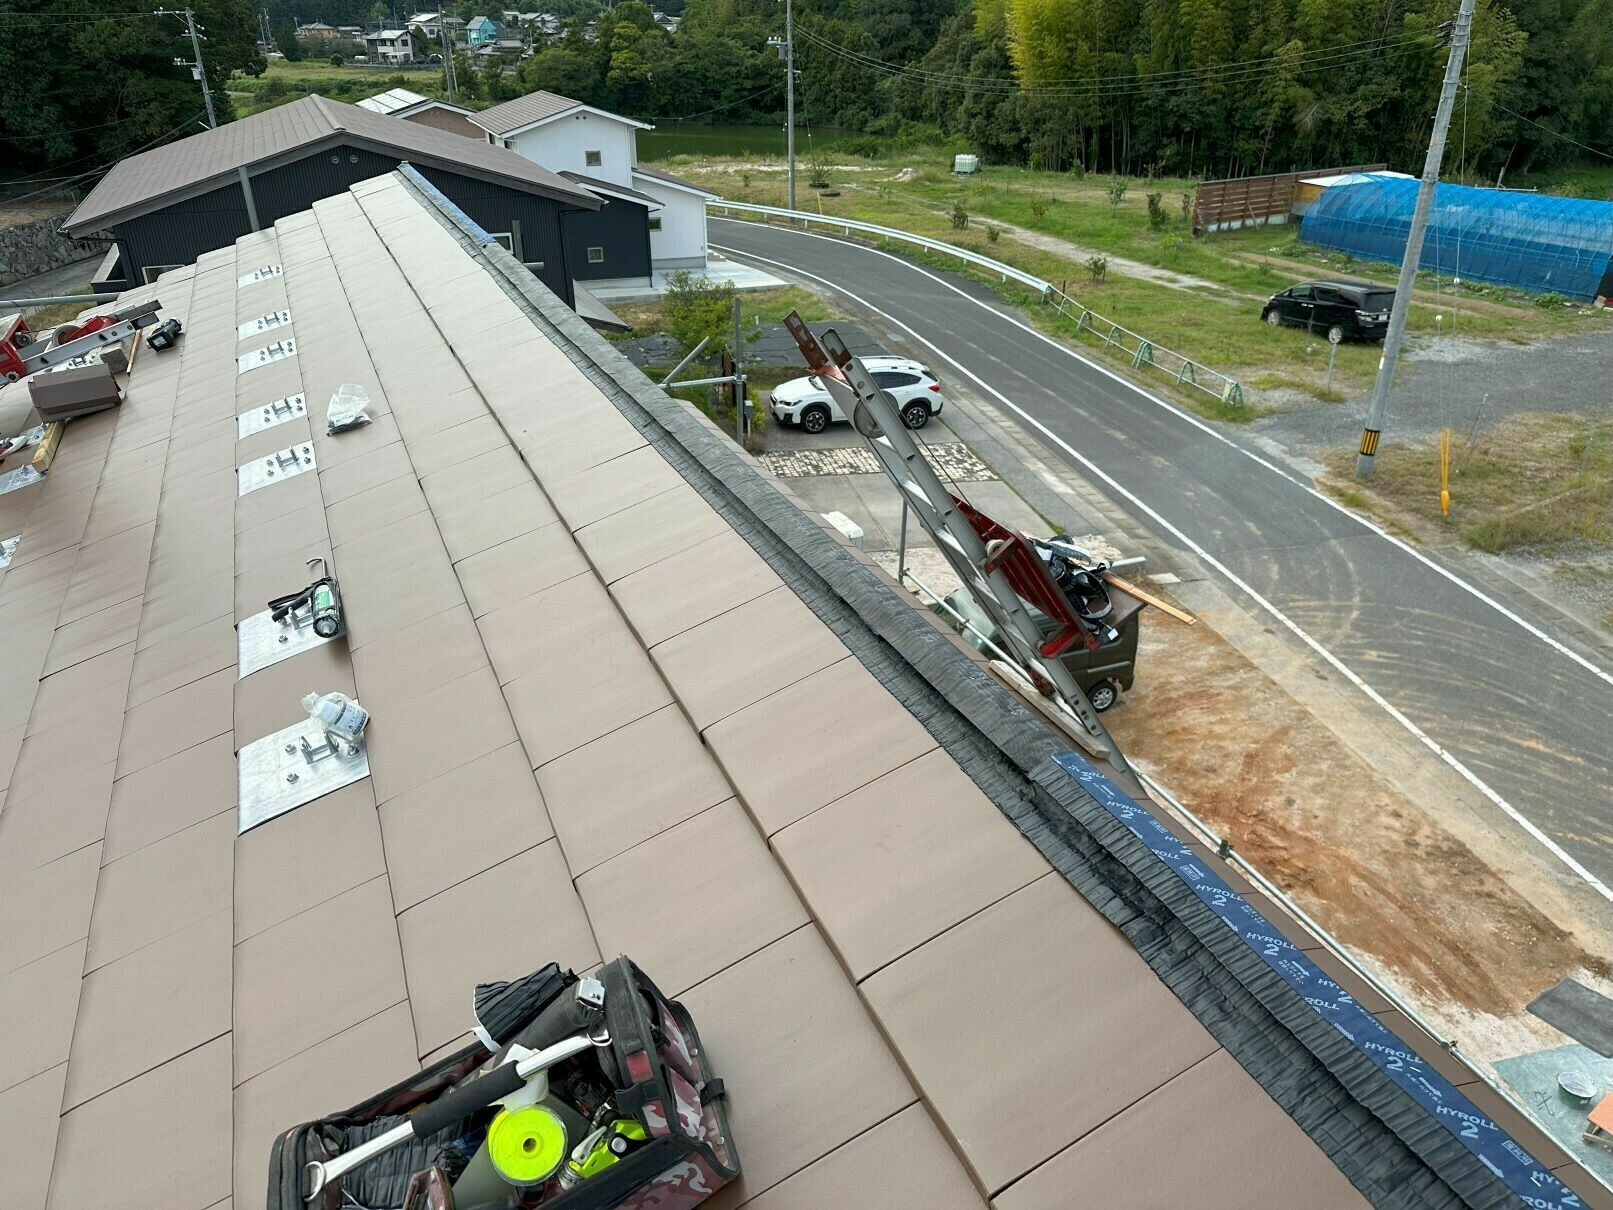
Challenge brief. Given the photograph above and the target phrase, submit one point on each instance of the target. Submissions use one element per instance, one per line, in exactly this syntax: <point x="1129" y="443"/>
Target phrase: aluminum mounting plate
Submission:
<point x="261" y="642"/>
<point x="277" y="411"/>
<point x="282" y="464"/>
<point x="264" y="273"/>
<point x="23" y="476"/>
<point x="262" y="323"/>
<point x="275" y="775"/>
<point x="8" y="547"/>
<point x="270" y="353"/>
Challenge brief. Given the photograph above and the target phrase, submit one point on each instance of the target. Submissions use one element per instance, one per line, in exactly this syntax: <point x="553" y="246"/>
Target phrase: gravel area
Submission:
<point x="1453" y="382"/>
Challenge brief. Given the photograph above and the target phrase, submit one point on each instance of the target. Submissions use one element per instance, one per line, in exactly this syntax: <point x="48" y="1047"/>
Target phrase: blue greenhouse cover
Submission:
<point x="1528" y="240"/>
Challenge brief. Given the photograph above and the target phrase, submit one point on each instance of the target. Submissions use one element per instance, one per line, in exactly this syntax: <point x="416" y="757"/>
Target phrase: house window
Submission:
<point x="503" y="240"/>
<point x="593" y="158"/>
<point x="153" y="272"/>
<point x="510" y="143"/>
<point x="655" y="222"/>
<point x="596" y="256"/>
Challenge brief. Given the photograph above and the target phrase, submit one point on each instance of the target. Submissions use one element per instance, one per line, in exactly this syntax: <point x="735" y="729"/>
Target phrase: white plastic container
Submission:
<point x="966" y="165"/>
<point x="338" y="714"/>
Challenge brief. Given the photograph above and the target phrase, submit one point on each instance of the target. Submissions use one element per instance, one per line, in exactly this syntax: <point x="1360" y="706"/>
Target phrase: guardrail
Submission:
<point x="1139" y="350"/>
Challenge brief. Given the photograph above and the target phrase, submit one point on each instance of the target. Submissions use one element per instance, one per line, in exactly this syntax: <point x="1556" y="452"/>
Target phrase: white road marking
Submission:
<point x="1473" y="590"/>
<point x="1383" y="703"/>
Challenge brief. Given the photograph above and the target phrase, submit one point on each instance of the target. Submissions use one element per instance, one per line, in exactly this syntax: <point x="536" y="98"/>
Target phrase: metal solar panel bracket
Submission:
<point x="282" y="464"/>
<point x="291" y="768"/>
<point x="289" y="407"/>
<point x="874" y="415"/>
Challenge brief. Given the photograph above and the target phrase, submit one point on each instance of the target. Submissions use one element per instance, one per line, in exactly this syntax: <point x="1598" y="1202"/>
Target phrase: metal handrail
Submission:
<point x="1139" y="350"/>
<point x="848" y="225"/>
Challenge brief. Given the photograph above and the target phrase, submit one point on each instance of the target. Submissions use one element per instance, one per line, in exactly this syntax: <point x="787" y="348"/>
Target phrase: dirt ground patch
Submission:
<point x="1385" y="877"/>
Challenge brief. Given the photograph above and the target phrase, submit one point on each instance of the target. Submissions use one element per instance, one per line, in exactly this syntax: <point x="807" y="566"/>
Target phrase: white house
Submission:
<point x="596" y="148"/>
<point x="390" y="46"/>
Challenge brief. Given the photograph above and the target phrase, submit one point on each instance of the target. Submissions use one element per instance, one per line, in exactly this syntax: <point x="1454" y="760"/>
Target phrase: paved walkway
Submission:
<point x="69" y="279"/>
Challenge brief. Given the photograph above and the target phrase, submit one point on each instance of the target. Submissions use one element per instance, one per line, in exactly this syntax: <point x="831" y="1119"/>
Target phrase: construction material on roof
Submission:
<point x="74" y="391"/>
<point x="1529" y="240"/>
<point x="193" y="165"/>
<point x="1583" y="1013"/>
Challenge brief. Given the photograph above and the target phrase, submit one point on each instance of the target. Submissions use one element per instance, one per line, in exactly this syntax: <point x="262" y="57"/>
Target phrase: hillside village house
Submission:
<point x="389" y="46"/>
<point x="481" y="30"/>
<point x="600" y="150"/>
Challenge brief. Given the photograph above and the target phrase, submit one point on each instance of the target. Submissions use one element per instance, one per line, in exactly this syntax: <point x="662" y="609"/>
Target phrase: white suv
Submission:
<point x="807" y="402"/>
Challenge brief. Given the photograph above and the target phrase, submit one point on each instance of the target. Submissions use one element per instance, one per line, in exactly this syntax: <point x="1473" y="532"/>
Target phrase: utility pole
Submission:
<point x="197" y="71"/>
<point x="786" y="51"/>
<point x="1414" y="243"/>
<point x="448" y="62"/>
<point x="789" y="89"/>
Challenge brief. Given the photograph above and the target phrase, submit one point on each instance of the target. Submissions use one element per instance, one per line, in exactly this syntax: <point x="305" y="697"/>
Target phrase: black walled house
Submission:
<point x="166" y="207"/>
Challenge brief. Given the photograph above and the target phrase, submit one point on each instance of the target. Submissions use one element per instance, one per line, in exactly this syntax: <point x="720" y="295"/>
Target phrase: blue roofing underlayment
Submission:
<point x="1488" y="1143"/>
<point x="1529" y="240"/>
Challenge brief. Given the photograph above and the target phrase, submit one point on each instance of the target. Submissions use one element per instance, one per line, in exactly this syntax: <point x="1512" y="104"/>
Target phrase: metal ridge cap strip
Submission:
<point x="1526" y="1176"/>
<point x="1010" y="754"/>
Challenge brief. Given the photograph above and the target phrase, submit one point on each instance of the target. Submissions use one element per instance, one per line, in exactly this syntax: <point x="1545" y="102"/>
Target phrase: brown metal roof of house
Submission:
<point x="523" y="111"/>
<point x="535" y="107"/>
<point x="603" y="653"/>
<point x="152" y="179"/>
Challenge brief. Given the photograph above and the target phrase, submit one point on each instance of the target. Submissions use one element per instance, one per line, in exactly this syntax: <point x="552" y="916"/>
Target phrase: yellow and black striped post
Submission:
<point x="1369" y="443"/>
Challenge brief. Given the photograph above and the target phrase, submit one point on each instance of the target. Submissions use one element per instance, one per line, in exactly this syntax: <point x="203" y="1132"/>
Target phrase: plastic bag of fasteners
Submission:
<point x="349" y="409"/>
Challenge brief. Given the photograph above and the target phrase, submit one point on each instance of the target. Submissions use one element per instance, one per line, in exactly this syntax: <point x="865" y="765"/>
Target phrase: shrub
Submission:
<point x="864" y="145"/>
<point x="1157" y="218"/>
<point x="960" y="216"/>
<point x="1039" y="207"/>
<point x="1097" y="268"/>
<point x="1187" y="208"/>
<point x="697" y="307"/>
<point x="335" y="60"/>
<point x="1117" y="193"/>
<point x="1551" y="299"/>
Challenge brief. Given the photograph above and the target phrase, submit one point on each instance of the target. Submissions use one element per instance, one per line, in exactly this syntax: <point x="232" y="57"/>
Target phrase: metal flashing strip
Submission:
<point x="277" y="411"/>
<point x="262" y="323"/>
<point x="8" y="547"/>
<point x="261" y="642"/>
<point x="277" y="351"/>
<point x="257" y="275"/>
<point x="290" y="769"/>
<point x="1522" y="1173"/>
<point x="280" y="465"/>
<point x="23" y="476"/>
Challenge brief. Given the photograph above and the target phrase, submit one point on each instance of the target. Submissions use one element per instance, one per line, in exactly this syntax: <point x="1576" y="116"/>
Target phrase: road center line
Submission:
<point x="1428" y="741"/>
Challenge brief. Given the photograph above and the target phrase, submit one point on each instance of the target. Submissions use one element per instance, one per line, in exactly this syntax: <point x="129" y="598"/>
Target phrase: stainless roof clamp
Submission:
<point x="278" y="411"/>
<point x="291" y="768"/>
<point x="282" y="464"/>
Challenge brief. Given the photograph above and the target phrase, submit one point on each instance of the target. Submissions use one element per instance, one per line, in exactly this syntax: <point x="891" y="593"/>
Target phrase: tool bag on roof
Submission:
<point x="645" y="1127"/>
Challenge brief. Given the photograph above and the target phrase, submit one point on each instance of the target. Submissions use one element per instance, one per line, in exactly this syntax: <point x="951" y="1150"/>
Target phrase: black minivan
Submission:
<point x="1341" y="310"/>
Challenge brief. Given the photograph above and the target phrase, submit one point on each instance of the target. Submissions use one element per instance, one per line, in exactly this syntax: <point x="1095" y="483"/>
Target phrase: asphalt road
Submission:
<point x="1529" y="723"/>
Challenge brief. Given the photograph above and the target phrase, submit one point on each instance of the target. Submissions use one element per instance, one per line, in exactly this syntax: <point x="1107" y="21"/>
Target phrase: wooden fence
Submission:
<point x="1249" y="201"/>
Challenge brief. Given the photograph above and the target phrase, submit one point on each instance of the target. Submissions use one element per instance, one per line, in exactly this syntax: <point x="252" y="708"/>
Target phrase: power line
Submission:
<point x="1554" y="133"/>
<point x="188" y="122"/>
<point x="1373" y="44"/>
<point x="715" y="109"/>
<point x="1195" y="78"/>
